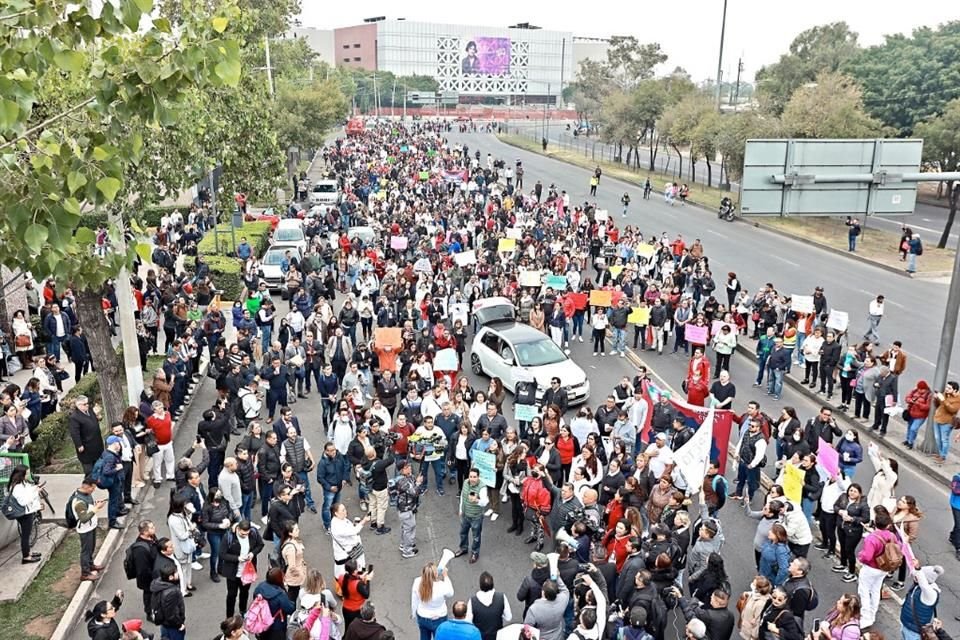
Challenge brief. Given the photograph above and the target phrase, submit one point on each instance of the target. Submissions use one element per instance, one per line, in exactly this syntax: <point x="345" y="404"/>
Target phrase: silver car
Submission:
<point x="512" y="351"/>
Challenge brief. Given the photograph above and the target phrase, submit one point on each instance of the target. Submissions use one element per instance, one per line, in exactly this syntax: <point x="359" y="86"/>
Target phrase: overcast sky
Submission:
<point x="759" y="30"/>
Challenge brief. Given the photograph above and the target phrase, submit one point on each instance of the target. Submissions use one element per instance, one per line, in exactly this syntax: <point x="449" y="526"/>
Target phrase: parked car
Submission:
<point x="271" y="261"/>
<point x="290" y="231"/>
<point x="502" y="348"/>
<point x="325" y="192"/>
<point x="267" y="215"/>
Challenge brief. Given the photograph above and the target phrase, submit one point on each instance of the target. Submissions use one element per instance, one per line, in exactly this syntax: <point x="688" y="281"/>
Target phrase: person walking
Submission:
<point x="625" y="201"/>
<point x="473" y="500"/>
<point x="428" y="599"/>
<point x="83" y="516"/>
<point x="242" y="544"/>
<point x="874" y="316"/>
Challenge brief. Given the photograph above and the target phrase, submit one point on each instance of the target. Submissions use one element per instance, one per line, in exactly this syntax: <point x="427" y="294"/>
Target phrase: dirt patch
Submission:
<point x="42" y="627"/>
<point x="67" y="585"/>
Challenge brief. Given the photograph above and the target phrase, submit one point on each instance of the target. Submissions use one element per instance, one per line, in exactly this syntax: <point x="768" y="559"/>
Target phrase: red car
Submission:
<point x="267" y="215"/>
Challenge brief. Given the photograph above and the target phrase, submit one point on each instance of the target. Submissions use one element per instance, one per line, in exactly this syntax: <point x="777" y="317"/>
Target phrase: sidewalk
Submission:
<point x="896" y="430"/>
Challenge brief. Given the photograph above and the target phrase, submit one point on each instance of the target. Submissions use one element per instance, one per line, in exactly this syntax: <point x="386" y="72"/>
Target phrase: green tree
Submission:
<point x="907" y="80"/>
<point x="592" y="85"/>
<point x="734" y="130"/>
<point x="941" y="148"/>
<point x="832" y="107"/>
<point x="629" y="62"/>
<point x="704" y="142"/>
<point x="63" y="159"/>
<point x="680" y="120"/>
<point x="822" y="48"/>
<point x="303" y="115"/>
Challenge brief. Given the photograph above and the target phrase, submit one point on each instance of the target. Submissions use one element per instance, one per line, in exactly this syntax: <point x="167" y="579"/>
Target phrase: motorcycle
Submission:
<point x="727" y="211"/>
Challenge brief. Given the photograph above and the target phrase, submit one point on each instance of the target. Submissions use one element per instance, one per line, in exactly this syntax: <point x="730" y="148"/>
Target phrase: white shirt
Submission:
<point x="658" y="463"/>
<point x="244" y="550"/>
<point x="876" y="308"/>
<point x="434" y="608"/>
<point x="59" y="319"/>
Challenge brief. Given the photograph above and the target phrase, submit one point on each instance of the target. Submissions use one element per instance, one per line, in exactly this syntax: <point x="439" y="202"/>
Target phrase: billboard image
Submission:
<point x="486" y="56"/>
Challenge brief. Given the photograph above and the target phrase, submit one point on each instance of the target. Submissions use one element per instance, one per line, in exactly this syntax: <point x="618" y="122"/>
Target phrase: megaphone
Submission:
<point x="563" y="537"/>
<point x="554" y="560"/>
<point x="445" y="557"/>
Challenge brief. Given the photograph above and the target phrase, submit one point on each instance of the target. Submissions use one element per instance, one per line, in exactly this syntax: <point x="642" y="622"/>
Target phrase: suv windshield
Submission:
<point x="273" y="257"/>
<point x="537" y="354"/>
<point x="325" y="188"/>
<point x="288" y="235"/>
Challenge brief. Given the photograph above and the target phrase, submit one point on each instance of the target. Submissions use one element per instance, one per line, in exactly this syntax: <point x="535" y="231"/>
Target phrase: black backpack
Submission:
<point x="129" y="564"/>
<point x="68" y="515"/>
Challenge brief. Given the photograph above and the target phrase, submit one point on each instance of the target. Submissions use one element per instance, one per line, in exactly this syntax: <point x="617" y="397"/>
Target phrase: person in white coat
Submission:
<point x="181" y="533"/>
<point x="346" y="539"/>
<point x="884" y="480"/>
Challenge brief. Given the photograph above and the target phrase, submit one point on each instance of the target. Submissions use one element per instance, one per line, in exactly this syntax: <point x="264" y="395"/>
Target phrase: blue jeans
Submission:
<point x="761" y="366"/>
<point x="328" y="499"/>
<point x="345" y="221"/>
<point x="115" y="496"/>
<point x="428" y="626"/>
<point x="807" y="505"/>
<point x="748" y="476"/>
<point x="775" y="382"/>
<point x="852" y="243"/>
<point x="266" y="335"/>
<point x="246" y="506"/>
<point x="266" y="494"/>
<point x="906" y="634"/>
<point x="911" y="262"/>
<point x="800" y="338"/>
<point x="169" y="633"/>
<point x="468" y="526"/>
<point x="848" y="470"/>
<point x="912" y="428"/>
<point x="943" y="438"/>
<point x="439" y="473"/>
<point x="53" y="347"/>
<point x="214" y="538"/>
<point x="304" y="478"/>
<point x="578" y="324"/>
<point x="619" y="339"/>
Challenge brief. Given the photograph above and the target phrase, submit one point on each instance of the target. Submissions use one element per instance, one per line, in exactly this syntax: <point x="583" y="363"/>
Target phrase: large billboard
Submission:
<point x="484" y="56"/>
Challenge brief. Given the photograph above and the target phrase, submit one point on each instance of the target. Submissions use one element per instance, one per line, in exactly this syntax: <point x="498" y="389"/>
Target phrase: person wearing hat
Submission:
<point x="920" y="604"/>
<point x="112" y="480"/>
<point x="408" y="499"/>
<point x="532" y="585"/>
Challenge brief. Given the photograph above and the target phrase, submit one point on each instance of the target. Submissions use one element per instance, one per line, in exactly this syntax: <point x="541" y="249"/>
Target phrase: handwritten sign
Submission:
<point x="828" y="458"/>
<point x="601" y="215"/>
<point x="465" y="258"/>
<point x="458" y="311"/>
<point x="525" y="412"/>
<point x="388" y="337"/>
<point x="530" y="278"/>
<point x="514" y="232"/>
<point x="506" y="245"/>
<point x="601" y="298"/>
<point x="486" y="463"/>
<point x="838" y="320"/>
<point x="616" y="269"/>
<point x="446" y="360"/>
<point x="398" y="242"/>
<point x="558" y="283"/>
<point x="640" y="316"/>
<point x="579" y="301"/>
<point x="645" y="250"/>
<point x="792" y="483"/>
<point x="695" y="335"/>
<point x="801" y="304"/>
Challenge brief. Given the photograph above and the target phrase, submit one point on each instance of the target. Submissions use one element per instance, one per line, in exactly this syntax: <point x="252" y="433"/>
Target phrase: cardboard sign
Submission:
<point x="601" y="298"/>
<point x="398" y="242"/>
<point x="525" y="412"/>
<point x="793" y="483"/>
<point x="645" y="250"/>
<point x="640" y="316"/>
<point x="388" y="337"/>
<point x="694" y="334"/>
<point x="530" y="278"/>
<point x="838" y="320"/>
<point x="601" y="215"/>
<point x="801" y="304"/>
<point x="506" y="245"/>
<point x="446" y="360"/>
<point x="465" y="258"/>
<point x="514" y="232"/>
<point x="557" y="283"/>
<point x="579" y="301"/>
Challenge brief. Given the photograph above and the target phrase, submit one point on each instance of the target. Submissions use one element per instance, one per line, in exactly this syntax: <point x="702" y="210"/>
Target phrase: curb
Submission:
<point x="74" y="611"/>
<point x="920" y="462"/>
<point x="759" y="225"/>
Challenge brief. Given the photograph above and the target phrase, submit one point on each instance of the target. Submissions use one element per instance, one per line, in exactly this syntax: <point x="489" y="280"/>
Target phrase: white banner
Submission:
<point x="801" y="304"/>
<point x="693" y="457"/>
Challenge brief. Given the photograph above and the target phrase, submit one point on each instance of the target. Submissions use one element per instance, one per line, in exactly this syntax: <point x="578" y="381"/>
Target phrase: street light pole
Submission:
<point x="266" y="46"/>
<point x="723" y="28"/>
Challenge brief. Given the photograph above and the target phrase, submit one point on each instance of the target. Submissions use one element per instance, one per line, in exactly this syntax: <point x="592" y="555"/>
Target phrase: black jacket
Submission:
<point x="719" y="622"/>
<point x="558" y="397"/>
<point x="108" y="630"/>
<point x="268" y="461"/>
<point x="230" y="552"/>
<point x="167" y="601"/>
<point x="144" y="555"/>
<point x="829" y="354"/>
<point x="378" y="472"/>
<point x="215" y="433"/>
<point x="886" y="387"/>
<point x="278" y="514"/>
<point x="85" y="432"/>
<point x="246" y="473"/>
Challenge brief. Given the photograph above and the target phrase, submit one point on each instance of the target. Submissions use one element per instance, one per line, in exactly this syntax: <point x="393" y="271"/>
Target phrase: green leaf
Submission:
<point x="85" y="236"/>
<point x="75" y="180"/>
<point x="109" y="187"/>
<point x="70" y="61"/>
<point x="146" y="6"/>
<point x="228" y="71"/>
<point x="102" y="153"/>
<point x="219" y="24"/>
<point x="35" y="236"/>
<point x="72" y="206"/>
<point x="143" y="250"/>
<point x="9" y="111"/>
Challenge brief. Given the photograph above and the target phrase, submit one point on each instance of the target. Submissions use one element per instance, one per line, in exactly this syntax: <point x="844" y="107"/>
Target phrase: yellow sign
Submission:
<point x="506" y="245"/>
<point x="616" y="269"/>
<point x="793" y="483"/>
<point x="645" y="250"/>
<point x="601" y="298"/>
<point x="640" y="316"/>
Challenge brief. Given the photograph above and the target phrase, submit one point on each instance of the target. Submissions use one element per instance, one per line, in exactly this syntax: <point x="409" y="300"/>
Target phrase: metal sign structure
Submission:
<point x="867" y="177"/>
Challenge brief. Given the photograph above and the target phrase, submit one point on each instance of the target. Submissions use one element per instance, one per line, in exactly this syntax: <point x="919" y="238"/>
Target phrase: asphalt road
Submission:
<point x="929" y="221"/>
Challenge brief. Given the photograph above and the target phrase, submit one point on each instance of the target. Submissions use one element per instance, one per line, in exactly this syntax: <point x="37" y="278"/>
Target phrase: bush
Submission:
<point x="227" y="275"/>
<point x="256" y="233"/>
<point x="148" y="217"/>
<point x="53" y="433"/>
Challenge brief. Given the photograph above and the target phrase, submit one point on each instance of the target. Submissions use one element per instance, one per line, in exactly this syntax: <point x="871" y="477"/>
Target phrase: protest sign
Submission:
<point x="486" y="463"/>
<point x="838" y="320"/>
<point x="525" y="412"/>
<point x="398" y="242"/>
<point x="424" y="176"/>
<point x="579" y="301"/>
<point x="557" y="283"/>
<point x="601" y="215"/>
<point x="600" y="298"/>
<point x="446" y="360"/>
<point x="639" y="315"/>
<point x="615" y="270"/>
<point x="695" y="335"/>
<point x="828" y="458"/>
<point x="506" y="245"/>
<point x="465" y="258"/>
<point x="793" y="483"/>
<point x="693" y="457"/>
<point x="719" y="324"/>
<point x="530" y="278"/>
<point x="388" y="336"/>
<point x="514" y="232"/>
<point x="645" y="250"/>
<point x="801" y="304"/>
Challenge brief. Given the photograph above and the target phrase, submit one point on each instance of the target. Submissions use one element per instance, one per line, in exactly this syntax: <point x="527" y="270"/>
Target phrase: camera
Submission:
<point x="391" y="437"/>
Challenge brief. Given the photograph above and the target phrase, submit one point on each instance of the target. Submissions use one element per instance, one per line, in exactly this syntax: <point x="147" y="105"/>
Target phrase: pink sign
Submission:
<point x="718" y="324"/>
<point x="398" y="242"/>
<point x="695" y="335"/>
<point x="828" y="458"/>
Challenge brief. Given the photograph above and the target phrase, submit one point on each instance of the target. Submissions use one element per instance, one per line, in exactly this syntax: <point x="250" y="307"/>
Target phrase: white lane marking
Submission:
<point x="716" y="233"/>
<point x="926" y="219"/>
<point x="793" y="264"/>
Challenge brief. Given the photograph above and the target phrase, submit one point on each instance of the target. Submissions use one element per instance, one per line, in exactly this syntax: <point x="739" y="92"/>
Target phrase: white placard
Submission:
<point x="801" y="304"/>
<point x="515" y="232"/>
<point x="838" y="320"/>
<point x="601" y="215"/>
<point x="465" y="258"/>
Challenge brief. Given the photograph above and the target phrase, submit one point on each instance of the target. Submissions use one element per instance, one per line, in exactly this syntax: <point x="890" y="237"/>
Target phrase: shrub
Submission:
<point x="53" y="433"/>
<point x="256" y="233"/>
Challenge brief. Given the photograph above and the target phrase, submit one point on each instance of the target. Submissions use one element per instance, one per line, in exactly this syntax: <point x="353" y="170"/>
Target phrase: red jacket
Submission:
<point x="918" y="400"/>
<point x="162" y="428"/>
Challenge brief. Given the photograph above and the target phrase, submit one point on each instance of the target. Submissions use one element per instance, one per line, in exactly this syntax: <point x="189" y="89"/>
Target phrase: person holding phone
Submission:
<point x="85" y="510"/>
<point x="842" y="622"/>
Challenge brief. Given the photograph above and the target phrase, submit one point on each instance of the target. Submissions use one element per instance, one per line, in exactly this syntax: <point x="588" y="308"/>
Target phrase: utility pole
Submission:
<point x="404" y="101"/>
<point x="266" y="46"/>
<point x="736" y="100"/>
<point x="723" y="28"/>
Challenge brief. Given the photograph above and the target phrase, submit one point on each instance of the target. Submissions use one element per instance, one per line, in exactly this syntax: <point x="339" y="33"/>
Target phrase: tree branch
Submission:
<point x="46" y="123"/>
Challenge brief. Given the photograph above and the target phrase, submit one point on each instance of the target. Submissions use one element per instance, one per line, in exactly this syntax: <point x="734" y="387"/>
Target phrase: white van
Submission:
<point x="289" y="231"/>
<point x="325" y="192"/>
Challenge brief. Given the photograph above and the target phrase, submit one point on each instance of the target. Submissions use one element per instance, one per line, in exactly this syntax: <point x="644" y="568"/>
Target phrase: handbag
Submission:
<point x="355" y="552"/>
<point x="150" y="446"/>
<point x="23" y="341"/>
<point x="11" y="507"/>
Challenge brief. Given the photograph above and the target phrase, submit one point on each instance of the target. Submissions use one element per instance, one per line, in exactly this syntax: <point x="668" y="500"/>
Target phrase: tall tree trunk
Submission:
<point x="680" y="158"/>
<point x="709" y="172"/>
<point x="110" y="371"/>
<point x="693" y="169"/>
<point x="653" y="147"/>
<point x="953" y="194"/>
